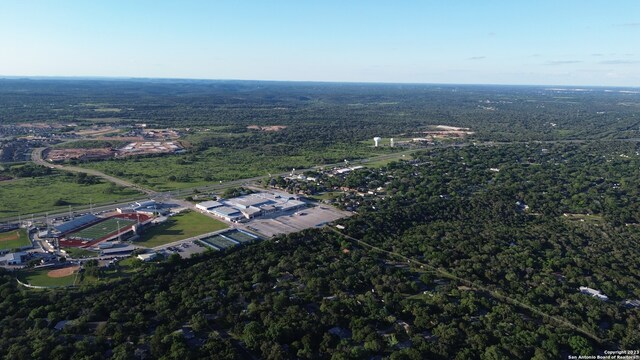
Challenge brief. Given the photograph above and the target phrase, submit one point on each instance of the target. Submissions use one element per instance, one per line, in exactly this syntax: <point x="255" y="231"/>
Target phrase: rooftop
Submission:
<point x="593" y="292"/>
<point x="76" y="223"/>
<point x="115" y="250"/>
<point x="226" y="210"/>
<point x="210" y="204"/>
<point x="12" y="256"/>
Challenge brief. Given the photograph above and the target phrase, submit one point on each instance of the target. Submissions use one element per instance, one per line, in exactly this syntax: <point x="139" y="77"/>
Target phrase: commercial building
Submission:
<point x="147" y="257"/>
<point x="267" y="202"/>
<point x="228" y="213"/>
<point x="150" y="208"/>
<point x="208" y="205"/>
<point x="252" y="205"/>
<point x="12" y="258"/>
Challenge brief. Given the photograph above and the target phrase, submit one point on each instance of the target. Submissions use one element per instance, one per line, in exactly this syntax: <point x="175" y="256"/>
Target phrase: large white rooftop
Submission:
<point x="226" y="210"/>
<point x="209" y="204"/>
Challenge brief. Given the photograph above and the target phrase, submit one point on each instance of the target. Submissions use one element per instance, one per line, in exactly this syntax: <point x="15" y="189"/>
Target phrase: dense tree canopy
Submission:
<point x="317" y="294"/>
<point x="463" y="252"/>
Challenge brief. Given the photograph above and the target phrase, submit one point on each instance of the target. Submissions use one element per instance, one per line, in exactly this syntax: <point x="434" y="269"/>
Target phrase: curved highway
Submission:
<point x="36" y="156"/>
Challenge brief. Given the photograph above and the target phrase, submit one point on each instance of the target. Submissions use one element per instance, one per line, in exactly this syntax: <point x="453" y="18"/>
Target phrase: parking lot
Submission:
<point x="284" y="223"/>
<point x="184" y="249"/>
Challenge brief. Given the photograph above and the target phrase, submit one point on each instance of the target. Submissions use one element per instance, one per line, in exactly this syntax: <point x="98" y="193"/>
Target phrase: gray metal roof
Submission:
<point x="76" y="223"/>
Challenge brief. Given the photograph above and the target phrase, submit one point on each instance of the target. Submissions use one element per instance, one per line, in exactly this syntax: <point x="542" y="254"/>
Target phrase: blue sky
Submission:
<point x="564" y="42"/>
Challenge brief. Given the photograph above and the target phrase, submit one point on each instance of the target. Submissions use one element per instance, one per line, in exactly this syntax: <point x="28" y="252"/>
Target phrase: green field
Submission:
<point x="124" y="269"/>
<point x="179" y="227"/>
<point x="216" y="164"/>
<point x="90" y="144"/>
<point x="385" y="160"/>
<point x="34" y="195"/>
<point x="218" y="241"/>
<point x="14" y="239"/>
<point x="101" y="229"/>
<point x="328" y="195"/>
<point x="40" y="278"/>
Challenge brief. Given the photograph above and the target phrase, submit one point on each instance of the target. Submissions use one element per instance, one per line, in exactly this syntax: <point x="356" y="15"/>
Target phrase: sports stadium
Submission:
<point x="89" y="230"/>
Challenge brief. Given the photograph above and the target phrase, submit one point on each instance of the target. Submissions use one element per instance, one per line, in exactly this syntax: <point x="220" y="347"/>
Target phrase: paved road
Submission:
<point x="36" y="156"/>
<point x="496" y="293"/>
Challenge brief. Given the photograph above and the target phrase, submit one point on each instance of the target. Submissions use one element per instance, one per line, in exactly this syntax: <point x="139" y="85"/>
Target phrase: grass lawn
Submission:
<point x="40" y="278"/>
<point x="179" y="227"/>
<point x="377" y="163"/>
<point x="77" y="253"/>
<point x="34" y="195"/>
<point x="328" y="195"/>
<point x="171" y="172"/>
<point x="124" y="269"/>
<point x="14" y="239"/>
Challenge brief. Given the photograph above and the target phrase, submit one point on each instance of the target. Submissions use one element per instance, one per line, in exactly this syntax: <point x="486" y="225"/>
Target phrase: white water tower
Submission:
<point x="391" y="143"/>
<point x="376" y="141"/>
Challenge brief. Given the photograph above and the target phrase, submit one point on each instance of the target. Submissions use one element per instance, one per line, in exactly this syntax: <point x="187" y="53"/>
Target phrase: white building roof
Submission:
<point x="251" y="210"/>
<point x="250" y="200"/>
<point x="211" y="204"/>
<point x="12" y="257"/>
<point x="593" y="292"/>
<point x="291" y="204"/>
<point x="147" y="257"/>
<point x="145" y="203"/>
<point x="226" y="211"/>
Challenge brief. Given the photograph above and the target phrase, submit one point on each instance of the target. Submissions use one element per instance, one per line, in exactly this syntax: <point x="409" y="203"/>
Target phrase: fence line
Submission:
<point x="41" y="287"/>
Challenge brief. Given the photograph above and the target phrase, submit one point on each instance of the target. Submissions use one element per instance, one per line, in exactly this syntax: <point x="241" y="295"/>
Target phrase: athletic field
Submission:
<point x="218" y="241"/>
<point x="240" y="236"/>
<point x="14" y="239"/>
<point x="101" y="229"/>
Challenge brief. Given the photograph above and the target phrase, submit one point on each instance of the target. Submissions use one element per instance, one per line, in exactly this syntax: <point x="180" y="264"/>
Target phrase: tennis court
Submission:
<point x="240" y="236"/>
<point x="218" y="241"/>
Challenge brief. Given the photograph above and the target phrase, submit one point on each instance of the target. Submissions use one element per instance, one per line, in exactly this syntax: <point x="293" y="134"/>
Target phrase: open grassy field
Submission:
<point x="122" y="270"/>
<point x="328" y="195"/>
<point x="40" y="277"/>
<point x="48" y="277"/>
<point x="14" y="239"/>
<point x="216" y="164"/>
<point x="34" y="195"/>
<point x="101" y="229"/>
<point x="386" y="159"/>
<point x="179" y="227"/>
<point x="90" y="144"/>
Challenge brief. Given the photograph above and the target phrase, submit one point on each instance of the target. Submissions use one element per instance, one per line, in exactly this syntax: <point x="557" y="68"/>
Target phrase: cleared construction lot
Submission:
<point x="284" y="223"/>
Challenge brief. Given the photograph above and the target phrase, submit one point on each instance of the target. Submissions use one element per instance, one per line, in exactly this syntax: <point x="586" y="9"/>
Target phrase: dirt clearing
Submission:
<point x="58" y="273"/>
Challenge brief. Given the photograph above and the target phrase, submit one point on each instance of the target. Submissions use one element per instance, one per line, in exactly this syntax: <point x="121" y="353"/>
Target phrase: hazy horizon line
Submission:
<point x="134" y="78"/>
